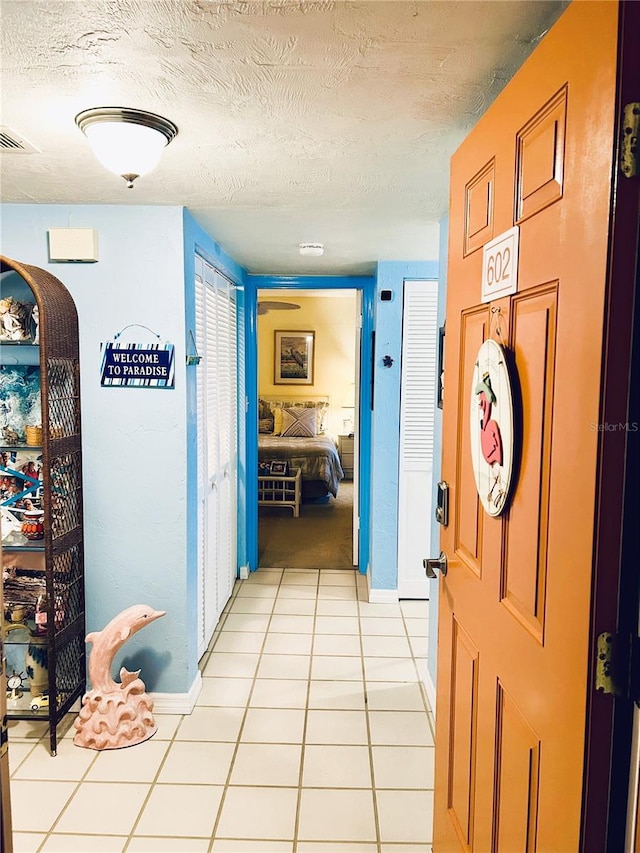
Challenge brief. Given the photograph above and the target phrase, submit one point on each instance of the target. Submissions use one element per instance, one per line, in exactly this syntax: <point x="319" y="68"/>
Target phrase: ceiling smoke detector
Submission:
<point x="316" y="249"/>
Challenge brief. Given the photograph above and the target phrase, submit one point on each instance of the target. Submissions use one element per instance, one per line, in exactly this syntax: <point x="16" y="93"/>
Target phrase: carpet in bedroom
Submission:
<point x="321" y="538"/>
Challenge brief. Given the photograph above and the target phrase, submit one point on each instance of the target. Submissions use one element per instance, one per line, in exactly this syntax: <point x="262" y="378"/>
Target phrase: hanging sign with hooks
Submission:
<point x="500" y="265"/>
<point x="137" y="365"/>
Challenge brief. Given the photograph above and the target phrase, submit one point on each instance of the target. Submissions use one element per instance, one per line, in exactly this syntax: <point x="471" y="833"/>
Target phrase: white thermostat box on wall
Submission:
<point x="73" y="245"/>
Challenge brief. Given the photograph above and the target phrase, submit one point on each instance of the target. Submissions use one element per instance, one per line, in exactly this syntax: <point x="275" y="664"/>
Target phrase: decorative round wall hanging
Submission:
<point x="492" y="427"/>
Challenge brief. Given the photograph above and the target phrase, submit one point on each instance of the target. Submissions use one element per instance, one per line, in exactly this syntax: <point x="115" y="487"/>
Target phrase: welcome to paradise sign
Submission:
<point x="137" y="365"/>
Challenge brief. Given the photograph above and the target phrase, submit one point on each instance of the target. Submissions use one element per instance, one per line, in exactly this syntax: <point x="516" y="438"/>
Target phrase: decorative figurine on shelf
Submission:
<point x="115" y="715"/>
<point x="15" y="319"/>
<point x="15" y="685"/>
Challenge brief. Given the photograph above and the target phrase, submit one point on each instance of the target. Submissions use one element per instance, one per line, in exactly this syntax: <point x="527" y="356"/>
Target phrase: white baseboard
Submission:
<point x="383" y="596"/>
<point x="243" y="574"/>
<point x="177" y="703"/>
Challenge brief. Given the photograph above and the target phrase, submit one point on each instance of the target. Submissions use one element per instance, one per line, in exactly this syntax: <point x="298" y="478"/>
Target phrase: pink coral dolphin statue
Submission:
<point x="115" y="715"/>
<point x="111" y="639"/>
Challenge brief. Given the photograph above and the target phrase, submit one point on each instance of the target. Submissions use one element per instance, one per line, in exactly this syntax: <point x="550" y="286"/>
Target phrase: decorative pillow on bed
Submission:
<point x="298" y="422"/>
<point x="320" y="407"/>
<point x="264" y="415"/>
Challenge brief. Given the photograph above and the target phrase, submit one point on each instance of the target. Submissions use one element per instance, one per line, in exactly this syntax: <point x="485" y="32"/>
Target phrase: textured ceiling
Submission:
<point x="298" y="121"/>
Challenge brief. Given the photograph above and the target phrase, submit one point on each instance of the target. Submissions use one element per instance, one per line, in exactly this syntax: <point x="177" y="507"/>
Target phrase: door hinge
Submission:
<point x="618" y="665"/>
<point x="629" y="139"/>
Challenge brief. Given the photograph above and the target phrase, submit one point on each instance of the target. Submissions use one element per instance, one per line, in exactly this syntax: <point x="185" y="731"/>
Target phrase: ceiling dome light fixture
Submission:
<point x="316" y="249"/>
<point x="126" y="142"/>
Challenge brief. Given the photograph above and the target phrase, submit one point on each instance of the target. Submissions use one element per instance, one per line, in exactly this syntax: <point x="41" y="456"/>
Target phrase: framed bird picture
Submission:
<point x="294" y="356"/>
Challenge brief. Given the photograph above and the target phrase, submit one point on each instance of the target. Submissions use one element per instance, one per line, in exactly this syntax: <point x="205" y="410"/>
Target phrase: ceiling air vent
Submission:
<point x="12" y="143"/>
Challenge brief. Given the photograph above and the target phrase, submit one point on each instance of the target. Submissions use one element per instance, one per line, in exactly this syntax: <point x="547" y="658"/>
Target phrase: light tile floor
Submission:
<point x="311" y="735"/>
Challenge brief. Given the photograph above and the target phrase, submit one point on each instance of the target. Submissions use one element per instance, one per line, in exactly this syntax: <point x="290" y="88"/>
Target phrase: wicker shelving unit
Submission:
<point x="54" y="564"/>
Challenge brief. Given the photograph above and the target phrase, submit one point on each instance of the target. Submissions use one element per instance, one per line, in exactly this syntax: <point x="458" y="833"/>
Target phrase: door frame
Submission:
<point x="615" y="583"/>
<point x="254" y="283"/>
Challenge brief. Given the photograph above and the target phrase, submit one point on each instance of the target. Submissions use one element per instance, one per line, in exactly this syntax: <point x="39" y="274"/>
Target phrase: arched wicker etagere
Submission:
<point x="48" y="570"/>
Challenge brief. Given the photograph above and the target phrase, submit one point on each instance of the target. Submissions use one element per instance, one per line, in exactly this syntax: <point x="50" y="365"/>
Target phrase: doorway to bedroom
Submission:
<point x="308" y="380"/>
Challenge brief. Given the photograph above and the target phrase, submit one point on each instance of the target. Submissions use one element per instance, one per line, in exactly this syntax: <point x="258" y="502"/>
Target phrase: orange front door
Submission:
<point x="515" y="606"/>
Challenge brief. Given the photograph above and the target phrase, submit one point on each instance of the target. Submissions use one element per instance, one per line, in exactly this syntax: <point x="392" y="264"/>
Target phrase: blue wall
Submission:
<point x="134" y="439"/>
<point x="385" y="431"/>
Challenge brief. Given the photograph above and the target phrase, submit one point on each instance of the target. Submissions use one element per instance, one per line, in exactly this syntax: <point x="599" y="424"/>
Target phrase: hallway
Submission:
<point x="310" y="735"/>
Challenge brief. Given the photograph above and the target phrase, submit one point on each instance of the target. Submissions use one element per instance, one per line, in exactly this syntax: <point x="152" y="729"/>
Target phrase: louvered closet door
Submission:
<point x="417" y="407"/>
<point x="217" y="416"/>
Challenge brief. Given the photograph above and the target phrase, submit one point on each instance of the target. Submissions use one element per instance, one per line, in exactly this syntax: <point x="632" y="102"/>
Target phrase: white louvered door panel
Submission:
<point x="417" y="408"/>
<point x="217" y="417"/>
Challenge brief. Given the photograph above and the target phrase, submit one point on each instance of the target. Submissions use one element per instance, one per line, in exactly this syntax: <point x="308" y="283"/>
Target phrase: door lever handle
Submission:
<point x="434" y="564"/>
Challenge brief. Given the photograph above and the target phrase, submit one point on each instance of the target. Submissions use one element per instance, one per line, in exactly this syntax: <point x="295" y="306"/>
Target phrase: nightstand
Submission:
<point x="345" y="449"/>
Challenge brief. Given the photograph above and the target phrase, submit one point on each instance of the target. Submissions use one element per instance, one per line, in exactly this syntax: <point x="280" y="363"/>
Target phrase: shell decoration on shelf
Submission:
<point x="114" y="715"/>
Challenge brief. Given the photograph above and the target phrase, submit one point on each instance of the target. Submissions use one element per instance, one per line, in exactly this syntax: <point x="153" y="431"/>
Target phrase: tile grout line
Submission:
<point x="227" y="783"/>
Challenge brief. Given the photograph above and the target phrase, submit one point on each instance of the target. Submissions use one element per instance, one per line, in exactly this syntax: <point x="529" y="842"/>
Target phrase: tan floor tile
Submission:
<point x="379" y="626"/>
<point x="345" y="644"/>
<point x="240" y="641"/>
<point x="394" y="696"/>
<point x="284" y="666"/>
<point x="279" y="693"/>
<point x="403" y="728"/>
<point x="225" y="692"/>
<point x="273" y="725"/>
<point x="264" y="813"/>
<point x="136" y="764"/>
<point x="27" y="842"/>
<point x="417" y="627"/>
<point x="298" y="590"/>
<point x="197" y="763"/>
<point x="295" y="606"/>
<point x="18" y="751"/>
<point x="153" y="844"/>
<point x="337" y="727"/>
<point x="336" y="667"/>
<point x="246" y="604"/>
<point x="29" y="730"/>
<point x="287" y="624"/>
<point x="405" y="848"/>
<point x="415" y="608"/>
<point x="335" y="847"/>
<point x="164" y="813"/>
<point x="306" y="577"/>
<point x="388" y="647"/>
<point x="267" y="764"/>
<point x="258" y="590"/>
<point x="405" y="816"/>
<point x="337" y="695"/>
<point x="403" y="766"/>
<point x="337" y="593"/>
<point x="252" y="622"/>
<point x="267" y="575"/>
<point x="226" y="845"/>
<point x="332" y="625"/>
<point x="288" y="644"/>
<point x="419" y="646"/>
<point x="389" y="669"/>
<point x="213" y="724"/>
<point x="103" y="808"/>
<point x="232" y="665"/>
<point x="61" y="843"/>
<point x="336" y="767"/>
<point x="379" y="610"/>
<point x="51" y="798"/>
<point x="342" y="815"/>
<point x="337" y="608"/>
<point x="338" y="578"/>
<point x="167" y="725"/>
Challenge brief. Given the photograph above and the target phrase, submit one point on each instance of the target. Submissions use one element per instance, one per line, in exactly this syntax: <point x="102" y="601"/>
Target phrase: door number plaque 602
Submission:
<point x="500" y="265"/>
